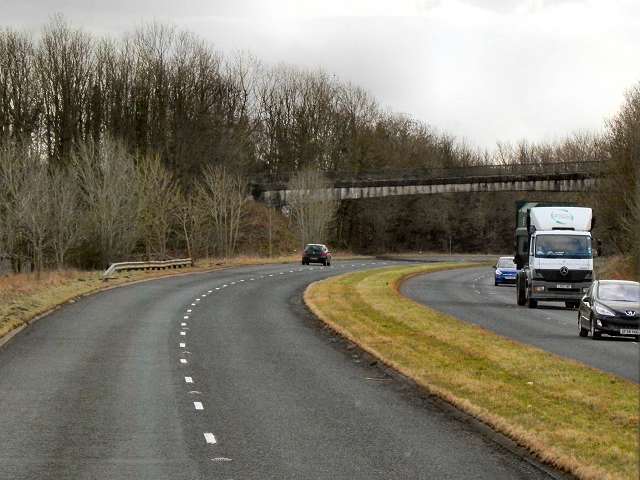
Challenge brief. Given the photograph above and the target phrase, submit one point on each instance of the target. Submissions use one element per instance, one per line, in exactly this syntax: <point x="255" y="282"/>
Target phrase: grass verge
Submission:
<point x="572" y="417"/>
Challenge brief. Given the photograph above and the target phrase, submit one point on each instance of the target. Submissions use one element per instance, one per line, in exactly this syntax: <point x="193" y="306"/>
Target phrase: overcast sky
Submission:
<point x="485" y="71"/>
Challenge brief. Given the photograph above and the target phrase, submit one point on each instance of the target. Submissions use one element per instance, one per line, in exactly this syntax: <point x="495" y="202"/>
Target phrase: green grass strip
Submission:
<point x="573" y="417"/>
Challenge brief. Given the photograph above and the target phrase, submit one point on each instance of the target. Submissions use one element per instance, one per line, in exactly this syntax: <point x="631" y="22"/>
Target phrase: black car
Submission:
<point x="317" y="253"/>
<point x="611" y="307"/>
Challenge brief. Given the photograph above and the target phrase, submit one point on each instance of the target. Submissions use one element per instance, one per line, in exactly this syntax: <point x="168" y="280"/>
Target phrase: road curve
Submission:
<point x="470" y="295"/>
<point x="220" y="375"/>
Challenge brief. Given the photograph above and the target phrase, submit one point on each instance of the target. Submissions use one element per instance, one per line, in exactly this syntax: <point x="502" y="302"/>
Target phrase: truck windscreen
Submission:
<point x="563" y="246"/>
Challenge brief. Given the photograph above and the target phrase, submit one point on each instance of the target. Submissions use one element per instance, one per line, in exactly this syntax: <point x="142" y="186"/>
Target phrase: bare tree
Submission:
<point x="311" y="205"/>
<point x="67" y="222"/>
<point x="107" y="181"/>
<point x="621" y="189"/>
<point x="65" y="67"/>
<point x="224" y="196"/>
<point x="19" y="98"/>
<point x="157" y="203"/>
<point x="26" y="199"/>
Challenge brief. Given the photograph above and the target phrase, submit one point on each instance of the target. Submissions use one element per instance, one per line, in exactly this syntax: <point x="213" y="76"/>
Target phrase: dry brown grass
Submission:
<point x="574" y="417"/>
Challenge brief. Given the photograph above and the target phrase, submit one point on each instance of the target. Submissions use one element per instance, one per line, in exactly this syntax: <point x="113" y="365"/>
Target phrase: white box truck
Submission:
<point x="554" y="253"/>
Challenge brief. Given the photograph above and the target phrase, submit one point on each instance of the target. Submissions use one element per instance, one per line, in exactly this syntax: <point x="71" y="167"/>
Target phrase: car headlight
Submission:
<point x="498" y="272"/>
<point x="604" y="311"/>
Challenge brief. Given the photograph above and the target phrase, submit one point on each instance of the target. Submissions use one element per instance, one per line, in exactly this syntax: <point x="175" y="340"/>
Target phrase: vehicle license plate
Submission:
<point x="563" y="286"/>
<point x="630" y="331"/>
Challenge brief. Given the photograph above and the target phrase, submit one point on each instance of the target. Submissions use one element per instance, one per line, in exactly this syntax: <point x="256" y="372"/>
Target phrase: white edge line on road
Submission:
<point x="183" y="360"/>
<point x="198" y="405"/>
<point x="210" y="438"/>
<point x="188" y="379"/>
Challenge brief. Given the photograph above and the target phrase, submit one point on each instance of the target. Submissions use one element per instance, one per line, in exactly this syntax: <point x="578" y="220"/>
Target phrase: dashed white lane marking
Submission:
<point x="210" y="437"/>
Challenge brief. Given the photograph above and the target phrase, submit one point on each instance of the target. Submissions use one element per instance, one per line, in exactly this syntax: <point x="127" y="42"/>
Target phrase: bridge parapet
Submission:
<point x="583" y="168"/>
<point x="563" y="177"/>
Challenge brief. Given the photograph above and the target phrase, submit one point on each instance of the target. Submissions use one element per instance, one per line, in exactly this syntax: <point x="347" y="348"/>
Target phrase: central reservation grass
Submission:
<point x="573" y="417"/>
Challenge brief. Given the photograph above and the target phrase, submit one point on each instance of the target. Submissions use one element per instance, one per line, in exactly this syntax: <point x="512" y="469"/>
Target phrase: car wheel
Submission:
<point x="495" y="283"/>
<point x="592" y="329"/>
<point x="583" y="332"/>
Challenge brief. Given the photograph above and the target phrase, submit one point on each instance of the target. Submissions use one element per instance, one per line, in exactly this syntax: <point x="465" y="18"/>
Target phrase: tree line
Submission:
<point x="112" y="148"/>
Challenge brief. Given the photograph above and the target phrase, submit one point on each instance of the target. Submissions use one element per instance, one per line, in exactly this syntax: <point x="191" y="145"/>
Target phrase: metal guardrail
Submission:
<point x="154" y="265"/>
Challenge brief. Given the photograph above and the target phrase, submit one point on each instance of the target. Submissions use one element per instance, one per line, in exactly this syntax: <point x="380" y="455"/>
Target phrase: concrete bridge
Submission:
<point x="345" y="185"/>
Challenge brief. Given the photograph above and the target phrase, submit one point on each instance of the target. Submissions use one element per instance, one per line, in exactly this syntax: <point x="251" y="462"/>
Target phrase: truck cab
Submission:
<point x="554" y="252"/>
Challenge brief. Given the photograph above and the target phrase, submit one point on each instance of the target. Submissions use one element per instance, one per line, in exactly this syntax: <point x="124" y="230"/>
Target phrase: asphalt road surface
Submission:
<point x="470" y="295"/>
<point x="220" y="375"/>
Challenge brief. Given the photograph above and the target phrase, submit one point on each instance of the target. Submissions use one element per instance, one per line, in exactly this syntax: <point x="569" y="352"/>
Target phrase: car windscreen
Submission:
<point x="506" y="263"/>
<point x="619" y="292"/>
<point x="563" y="246"/>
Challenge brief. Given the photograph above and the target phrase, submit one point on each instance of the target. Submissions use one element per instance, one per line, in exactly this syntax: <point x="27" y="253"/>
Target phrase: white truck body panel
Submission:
<point x="549" y="218"/>
<point x="558" y="263"/>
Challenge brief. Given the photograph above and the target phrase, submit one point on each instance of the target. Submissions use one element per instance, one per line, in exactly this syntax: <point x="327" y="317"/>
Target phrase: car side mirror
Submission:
<point x="585" y="299"/>
<point x="494" y="267"/>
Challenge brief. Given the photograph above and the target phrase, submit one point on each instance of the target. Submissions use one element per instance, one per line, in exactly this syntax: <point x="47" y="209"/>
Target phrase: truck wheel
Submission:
<point x="531" y="303"/>
<point x="521" y="297"/>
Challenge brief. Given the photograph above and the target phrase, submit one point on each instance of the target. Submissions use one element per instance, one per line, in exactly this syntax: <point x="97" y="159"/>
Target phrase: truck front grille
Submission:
<point x="571" y="276"/>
